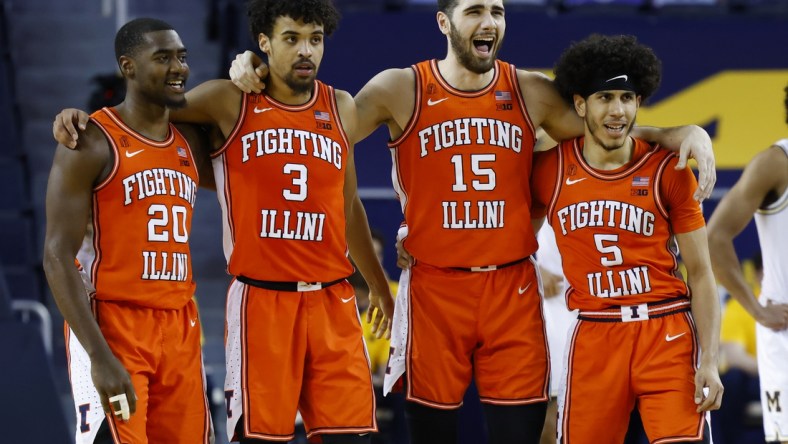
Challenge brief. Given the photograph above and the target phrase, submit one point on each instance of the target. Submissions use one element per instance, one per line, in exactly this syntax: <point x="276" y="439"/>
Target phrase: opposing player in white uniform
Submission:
<point x="762" y="192"/>
<point x="557" y="319"/>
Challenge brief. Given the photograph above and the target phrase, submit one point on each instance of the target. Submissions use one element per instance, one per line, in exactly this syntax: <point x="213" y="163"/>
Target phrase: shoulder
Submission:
<point x="392" y="81"/>
<point x="346" y="107"/>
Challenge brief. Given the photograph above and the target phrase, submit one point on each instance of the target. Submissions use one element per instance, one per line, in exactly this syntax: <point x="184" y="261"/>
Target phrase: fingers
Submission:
<point x="683" y="156"/>
<point x="64" y="132"/>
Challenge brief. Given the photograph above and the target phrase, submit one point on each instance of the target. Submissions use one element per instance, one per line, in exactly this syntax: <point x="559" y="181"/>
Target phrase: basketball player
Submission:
<point x="762" y="193"/>
<point x="463" y="197"/>
<point x="635" y="342"/>
<point x="287" y="188"/>
<point x="462" y="132"/>
<point x="126" y="196"/>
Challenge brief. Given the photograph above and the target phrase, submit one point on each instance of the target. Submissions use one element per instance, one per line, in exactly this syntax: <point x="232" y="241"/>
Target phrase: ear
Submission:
<point x="264" y="42"/>
<point x="640" y="100"/>
<point x="126" y="65"/>
<point x="580" y="105"/>
<point x="444" y="24"/>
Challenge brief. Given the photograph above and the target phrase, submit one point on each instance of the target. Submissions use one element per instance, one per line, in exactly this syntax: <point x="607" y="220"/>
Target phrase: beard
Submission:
<point x="466" y="57"/>
<point x="612" y="146"/>
<point x="166" y="101"/>
<point x="299" y="85"/>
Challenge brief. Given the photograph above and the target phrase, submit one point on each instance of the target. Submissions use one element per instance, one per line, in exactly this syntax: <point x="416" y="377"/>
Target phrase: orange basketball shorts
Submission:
<point x="482" y="324"/>
<point x="614" y="366"/>
<point x="290" y="351"/>
<point x="160" y="348"/>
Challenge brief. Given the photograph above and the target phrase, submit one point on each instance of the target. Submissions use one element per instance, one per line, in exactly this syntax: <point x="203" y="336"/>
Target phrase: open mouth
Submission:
<point x="177" y="85"/>
<point x="484" y="45"/>
<point x="615" y="129"/>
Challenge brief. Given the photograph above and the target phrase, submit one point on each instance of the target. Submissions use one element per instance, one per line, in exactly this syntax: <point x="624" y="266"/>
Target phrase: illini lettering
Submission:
<point x="157" y="182"/>
<point x="290" y="141"/>
<point x="466" y="215"/>
<point x="294" y="225"/>
<point x="606" y="213"/>
<point x="471" y="130"/>
<point x="610" y="283"/>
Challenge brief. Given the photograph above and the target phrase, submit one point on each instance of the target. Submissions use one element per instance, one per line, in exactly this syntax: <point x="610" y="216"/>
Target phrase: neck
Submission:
<point x="149" y="119"/>
<point x="460" y="77"/>
<point x="605" y="160"/>
<point x="281" y="92"/>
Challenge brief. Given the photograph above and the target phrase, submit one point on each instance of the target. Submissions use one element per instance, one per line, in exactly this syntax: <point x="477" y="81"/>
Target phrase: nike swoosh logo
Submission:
<point x="261" y="110"/>
<point x="431" y="102"/>
<point x="572" y="182"/>
<point x="128" y="154"/>
<point x="623" y="76"/>
<point x="522" y="290"/>
<point x="194" y="322"/>
<point x="669" y="338"/>
<point x="347" y="300"/>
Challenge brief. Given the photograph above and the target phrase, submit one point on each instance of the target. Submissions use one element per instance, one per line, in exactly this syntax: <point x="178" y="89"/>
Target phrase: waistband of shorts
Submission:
<point x="640" y="312"/>
<point x="491" y="267"/>
<point x="287" y="286"/>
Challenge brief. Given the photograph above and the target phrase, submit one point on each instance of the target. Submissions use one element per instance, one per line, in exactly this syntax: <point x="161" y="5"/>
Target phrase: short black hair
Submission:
<point x="132" y="35"/>
<point x="602" y="57"/>
<point x="263" y="14"/>
<point x="447" y="6"/>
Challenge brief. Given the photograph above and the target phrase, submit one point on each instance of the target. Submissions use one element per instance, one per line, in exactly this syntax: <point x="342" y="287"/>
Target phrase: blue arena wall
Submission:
<point x="723" y="72"/>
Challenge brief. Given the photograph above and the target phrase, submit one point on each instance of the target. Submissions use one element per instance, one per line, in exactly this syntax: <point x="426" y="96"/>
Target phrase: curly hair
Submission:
<point x="263" y="14"/>
<point x="584" y="64"/>
<point x="131" y="36"/>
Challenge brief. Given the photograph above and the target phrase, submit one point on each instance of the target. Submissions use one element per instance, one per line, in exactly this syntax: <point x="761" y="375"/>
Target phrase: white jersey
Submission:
<point x="773" y="345"/>
<point x="772" y="222"/>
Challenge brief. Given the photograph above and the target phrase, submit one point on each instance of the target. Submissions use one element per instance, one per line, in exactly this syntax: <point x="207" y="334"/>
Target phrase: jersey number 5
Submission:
<point x="606" y="244"/>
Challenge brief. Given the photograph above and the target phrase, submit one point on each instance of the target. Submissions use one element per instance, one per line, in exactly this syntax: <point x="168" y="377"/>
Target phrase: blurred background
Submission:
<point x="725" y="67"/>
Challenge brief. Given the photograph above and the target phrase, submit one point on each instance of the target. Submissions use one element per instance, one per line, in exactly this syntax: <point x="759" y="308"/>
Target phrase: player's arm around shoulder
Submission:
<point x="199" y="138"/>
<point x="390" y="98"/>
<point x="546" y="107"/>
<point x="72" y="178"/>
<point x="216" y="102"/>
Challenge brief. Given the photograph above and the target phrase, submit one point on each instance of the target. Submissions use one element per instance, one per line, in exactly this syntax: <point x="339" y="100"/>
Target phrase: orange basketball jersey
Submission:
<point x="136" y="246"/>
<point x="280" y="179"/>
<point x="461" y="171"/>
<point x="618" y="225"/>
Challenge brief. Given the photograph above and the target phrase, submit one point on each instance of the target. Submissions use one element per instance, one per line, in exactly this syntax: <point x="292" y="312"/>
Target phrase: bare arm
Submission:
<point x="388" y="98"/>
<point x="764" y="174"/>
<point x="706" y="312"/>
<point x="199" y="138"/>
<point x="358" y="234"/>
<point x="68" y="209"/>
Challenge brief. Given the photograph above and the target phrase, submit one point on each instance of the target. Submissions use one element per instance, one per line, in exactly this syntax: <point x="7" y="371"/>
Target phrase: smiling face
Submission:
<point x="609" y="117"/>
<point x="294" y="51"/>
<point x="475" y="30"/>
<point x="158" y="69"/>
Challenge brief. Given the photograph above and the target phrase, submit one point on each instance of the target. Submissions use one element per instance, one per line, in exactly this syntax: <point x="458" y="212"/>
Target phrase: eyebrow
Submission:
<point x="495" y="8"/>
<point x="288" y="32"/>
<point x="167" y="51"/>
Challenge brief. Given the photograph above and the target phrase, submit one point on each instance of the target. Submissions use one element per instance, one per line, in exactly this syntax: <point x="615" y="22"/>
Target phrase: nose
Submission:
<point x="488" y="22"/>
<point x="616" y="107"/>
<point x="305" y="49"/>
<point x="178" y="65"/>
